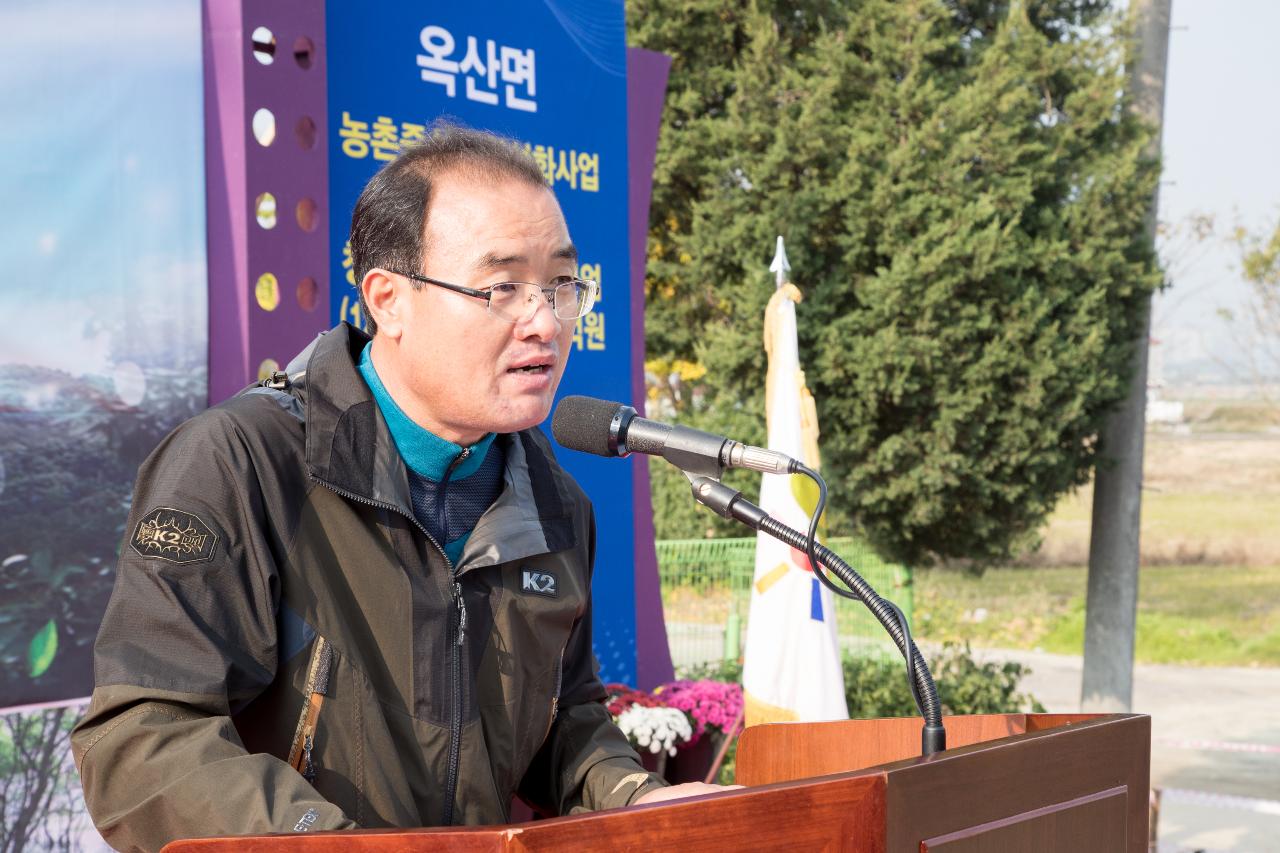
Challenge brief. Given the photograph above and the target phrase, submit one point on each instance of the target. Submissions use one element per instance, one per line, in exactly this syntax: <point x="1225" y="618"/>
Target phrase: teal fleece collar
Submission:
<point x="424" y="452"/>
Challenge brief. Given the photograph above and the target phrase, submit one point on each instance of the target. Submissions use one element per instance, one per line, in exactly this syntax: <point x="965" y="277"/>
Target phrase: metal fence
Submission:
<point x="706" y="596"/>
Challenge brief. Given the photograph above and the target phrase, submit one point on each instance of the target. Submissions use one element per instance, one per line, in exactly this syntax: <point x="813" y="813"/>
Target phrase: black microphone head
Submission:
<point x="583" y="423"/>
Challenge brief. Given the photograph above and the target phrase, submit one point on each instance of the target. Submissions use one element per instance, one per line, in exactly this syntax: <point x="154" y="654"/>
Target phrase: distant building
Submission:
<point x="1163" y="411"/>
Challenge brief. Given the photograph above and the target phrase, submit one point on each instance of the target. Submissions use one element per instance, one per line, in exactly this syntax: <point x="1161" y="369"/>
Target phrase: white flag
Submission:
<point x="792" y="669"/>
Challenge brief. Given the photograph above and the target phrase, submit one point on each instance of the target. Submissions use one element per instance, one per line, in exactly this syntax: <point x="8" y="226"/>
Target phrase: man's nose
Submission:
<point x="542" y="323"/>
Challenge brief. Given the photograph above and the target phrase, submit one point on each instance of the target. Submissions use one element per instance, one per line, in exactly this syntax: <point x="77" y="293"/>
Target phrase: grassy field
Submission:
<point x="1213" y="615"/>
<point x="1210" y="584"/>
<point x="1206" y="499"/>
<point x="1200" y="614"/>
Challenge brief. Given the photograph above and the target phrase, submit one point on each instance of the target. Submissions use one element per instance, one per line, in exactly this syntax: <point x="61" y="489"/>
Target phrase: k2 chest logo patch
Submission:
<point x="541" y="583"/>
<point x="173" y="535"/>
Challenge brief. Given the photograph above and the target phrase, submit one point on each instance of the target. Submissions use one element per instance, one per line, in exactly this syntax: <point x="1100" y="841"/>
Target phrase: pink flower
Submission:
<point x="714" y="705"/>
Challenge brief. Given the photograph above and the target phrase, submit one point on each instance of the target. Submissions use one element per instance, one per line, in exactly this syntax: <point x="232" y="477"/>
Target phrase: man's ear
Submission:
<point x="382" y="299"/>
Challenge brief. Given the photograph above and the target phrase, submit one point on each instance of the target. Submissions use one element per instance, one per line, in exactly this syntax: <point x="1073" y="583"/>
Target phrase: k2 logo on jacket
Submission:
<point x="542" y="583"/>
<point x="173" y="535"/>
<point x="307" y="821"/>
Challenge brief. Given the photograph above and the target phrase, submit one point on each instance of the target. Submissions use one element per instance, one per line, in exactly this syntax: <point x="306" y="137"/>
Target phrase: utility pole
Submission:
<point x="1111" y="606"/>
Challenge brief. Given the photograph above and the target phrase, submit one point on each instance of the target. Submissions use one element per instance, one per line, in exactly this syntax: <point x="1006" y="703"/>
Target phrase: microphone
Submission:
<point x="612" y="429"/>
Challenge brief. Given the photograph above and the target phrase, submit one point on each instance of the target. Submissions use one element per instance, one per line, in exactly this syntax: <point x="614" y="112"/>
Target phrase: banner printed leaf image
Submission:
<point x="110" y="352"/>
<point x="72" y="449"/>
<point x="44" y="646"/>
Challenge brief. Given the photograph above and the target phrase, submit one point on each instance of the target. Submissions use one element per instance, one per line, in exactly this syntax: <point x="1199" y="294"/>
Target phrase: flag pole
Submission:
<point x="780" y="267"/>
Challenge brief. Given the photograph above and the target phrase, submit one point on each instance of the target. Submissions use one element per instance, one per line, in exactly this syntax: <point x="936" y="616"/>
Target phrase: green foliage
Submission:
<point x="1260" y="323"/>
<point x="1174" y="638"/>
<point x="675" y="513"/>
<point x="877" y="686"/>
<point x="962" y="192"/>
<point x="69" y="451"/>
<point x="966" y="686"/>
<point x="1261" y="260"/>
<point x="722" y="670"/>
<point x="1196" y="614"/>
<point x="729" y="766"/>
<point x="44" y="645"/>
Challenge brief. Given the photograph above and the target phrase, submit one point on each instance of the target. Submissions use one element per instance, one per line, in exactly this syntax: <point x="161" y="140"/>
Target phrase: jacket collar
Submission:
<point x="350" y="450"/>
<point x="349" y="447"/>
<point x="532" y="515"/>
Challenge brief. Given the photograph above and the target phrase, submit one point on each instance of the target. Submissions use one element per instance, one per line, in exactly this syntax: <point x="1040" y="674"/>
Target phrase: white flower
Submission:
<point x="657" y="729"/>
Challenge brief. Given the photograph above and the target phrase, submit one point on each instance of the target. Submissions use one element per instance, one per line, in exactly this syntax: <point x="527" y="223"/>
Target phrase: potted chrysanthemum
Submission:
<point x="715" y="707"/>
<point x="655" y="729"/>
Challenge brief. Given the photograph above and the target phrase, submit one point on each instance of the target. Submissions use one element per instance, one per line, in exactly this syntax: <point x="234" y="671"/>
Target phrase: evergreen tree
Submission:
<point x="962" y="196"/>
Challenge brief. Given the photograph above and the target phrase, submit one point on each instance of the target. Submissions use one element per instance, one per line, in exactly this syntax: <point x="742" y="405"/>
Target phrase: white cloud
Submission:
<point x="59" y="335"/>
<point x="163" y="35"/>
<point x="130" y="382"/>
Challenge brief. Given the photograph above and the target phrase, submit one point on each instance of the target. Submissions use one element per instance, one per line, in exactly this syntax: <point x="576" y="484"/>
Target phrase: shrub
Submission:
<point x="876" y="686"/>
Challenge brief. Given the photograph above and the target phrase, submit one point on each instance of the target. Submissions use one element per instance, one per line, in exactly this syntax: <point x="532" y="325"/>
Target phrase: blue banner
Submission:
<point x="553" y="76"/>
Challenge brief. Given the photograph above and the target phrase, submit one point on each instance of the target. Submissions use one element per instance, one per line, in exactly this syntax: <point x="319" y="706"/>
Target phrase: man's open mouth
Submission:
<point x="531" y="368"/>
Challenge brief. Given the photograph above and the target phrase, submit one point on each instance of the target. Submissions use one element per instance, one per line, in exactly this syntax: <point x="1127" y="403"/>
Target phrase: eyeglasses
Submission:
<point x="516" y="301"/>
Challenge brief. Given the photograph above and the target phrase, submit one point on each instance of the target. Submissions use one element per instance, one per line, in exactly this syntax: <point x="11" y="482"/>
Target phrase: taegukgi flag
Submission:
<point x="792" y="669"/>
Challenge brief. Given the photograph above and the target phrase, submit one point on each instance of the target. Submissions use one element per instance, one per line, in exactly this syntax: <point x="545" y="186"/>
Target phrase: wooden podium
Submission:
<point x="1048" y="783"/>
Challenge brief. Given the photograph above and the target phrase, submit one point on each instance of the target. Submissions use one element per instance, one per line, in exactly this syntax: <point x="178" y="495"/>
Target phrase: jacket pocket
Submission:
<point x="319" y="671"/>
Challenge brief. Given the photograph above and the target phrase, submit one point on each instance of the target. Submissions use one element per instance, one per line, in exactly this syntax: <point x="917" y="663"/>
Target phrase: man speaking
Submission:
<point x="358" y="595"/>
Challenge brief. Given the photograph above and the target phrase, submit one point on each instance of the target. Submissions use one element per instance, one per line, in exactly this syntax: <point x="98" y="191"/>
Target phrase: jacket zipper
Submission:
<point x="555" y="698"/>
<point x="317" y="687"/>
<point x="455" y="669"/>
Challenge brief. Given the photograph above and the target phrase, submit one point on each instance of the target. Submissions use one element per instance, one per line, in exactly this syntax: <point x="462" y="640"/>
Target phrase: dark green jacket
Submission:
<point x="287" y="650"/>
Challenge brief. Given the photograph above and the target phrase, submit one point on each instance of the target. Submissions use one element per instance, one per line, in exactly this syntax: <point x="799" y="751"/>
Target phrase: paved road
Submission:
<point x="1215" y="733"/>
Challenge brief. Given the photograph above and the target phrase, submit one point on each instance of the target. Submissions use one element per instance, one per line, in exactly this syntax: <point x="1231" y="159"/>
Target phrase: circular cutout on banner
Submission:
<point x="306" y="214"/>
<point x="268" y="367"/>
<point x="303" y="50"/>
<point x="267" y="292"/>
<point x="305" y="131"/>
<point x="264" y="210"/>
<point x="264" y="126"/>
<point x="308" y="294"/>
<point x="264" y="45"/>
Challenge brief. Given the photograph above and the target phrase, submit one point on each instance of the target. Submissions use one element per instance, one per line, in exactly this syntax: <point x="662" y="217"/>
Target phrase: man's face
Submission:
<point x="464" y="371"/>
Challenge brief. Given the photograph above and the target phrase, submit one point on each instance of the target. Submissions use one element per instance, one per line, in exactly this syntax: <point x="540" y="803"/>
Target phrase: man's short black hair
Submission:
<point x="391" y="214"/>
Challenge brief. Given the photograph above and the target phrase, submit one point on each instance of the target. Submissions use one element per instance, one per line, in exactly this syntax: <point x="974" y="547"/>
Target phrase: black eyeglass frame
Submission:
<point x="549" y="293"/>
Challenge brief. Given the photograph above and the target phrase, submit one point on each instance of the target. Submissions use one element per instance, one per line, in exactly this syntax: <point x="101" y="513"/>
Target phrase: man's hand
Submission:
<point x="679" y="792"/>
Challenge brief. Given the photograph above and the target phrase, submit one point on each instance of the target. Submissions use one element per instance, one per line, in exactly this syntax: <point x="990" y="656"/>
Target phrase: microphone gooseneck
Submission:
<point x="605" y="428"/>
<point x="728" y="502"/>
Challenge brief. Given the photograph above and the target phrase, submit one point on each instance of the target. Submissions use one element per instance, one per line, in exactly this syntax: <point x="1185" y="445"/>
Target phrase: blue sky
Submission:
<point x="101" y="191"/>
<point x="1221" y="137"/>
